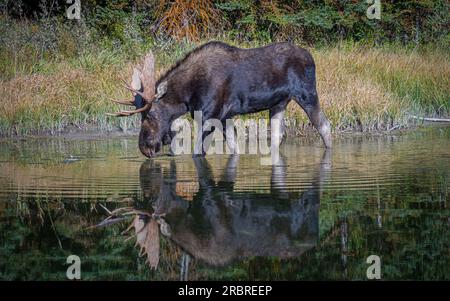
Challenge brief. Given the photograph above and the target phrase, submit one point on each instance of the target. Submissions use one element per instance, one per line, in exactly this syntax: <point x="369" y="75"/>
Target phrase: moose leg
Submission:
<point x="229" y="174"/>
<point x="310" y="104"/>
<point x="276" y="114"/>
<point x="229" y="134"/>
<point x="199" y="147"/>
<point x="204" y="173"/>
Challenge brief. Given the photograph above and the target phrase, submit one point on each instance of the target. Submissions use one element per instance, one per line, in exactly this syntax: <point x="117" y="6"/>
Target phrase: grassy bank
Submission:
<point x="59" y="79"/>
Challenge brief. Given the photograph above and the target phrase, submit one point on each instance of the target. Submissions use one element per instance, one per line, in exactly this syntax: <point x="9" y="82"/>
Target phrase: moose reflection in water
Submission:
<point x="214" y="224"/>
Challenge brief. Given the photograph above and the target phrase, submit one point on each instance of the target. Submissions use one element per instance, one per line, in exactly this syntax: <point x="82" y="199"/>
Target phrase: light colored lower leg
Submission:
<point x="232" y="146"/>
<point x="198" y="147"/>
<point x="280" y="130"/>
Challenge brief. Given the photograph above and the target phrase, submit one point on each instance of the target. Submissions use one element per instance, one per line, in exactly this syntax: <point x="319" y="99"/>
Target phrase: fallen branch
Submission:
<point x="431" y="119"/>
<point x="393" y="128"/>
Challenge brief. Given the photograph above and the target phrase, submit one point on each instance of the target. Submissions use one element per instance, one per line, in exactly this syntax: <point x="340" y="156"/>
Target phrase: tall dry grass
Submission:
<point x="379" y="89"/>
<point x="360" y="88"/>
<point x="68" y="97"/>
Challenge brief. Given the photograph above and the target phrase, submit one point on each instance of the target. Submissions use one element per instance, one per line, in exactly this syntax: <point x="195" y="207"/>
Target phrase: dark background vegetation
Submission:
<point x="312" y="21"/>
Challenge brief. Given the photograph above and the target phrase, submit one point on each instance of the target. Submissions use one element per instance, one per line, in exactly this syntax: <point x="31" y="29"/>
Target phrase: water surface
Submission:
<point x="315" y="215"/>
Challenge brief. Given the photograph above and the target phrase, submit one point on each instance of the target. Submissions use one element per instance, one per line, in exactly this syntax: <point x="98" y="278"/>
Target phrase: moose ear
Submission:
<point x="136" y="83"/>
<point x="161" y="90"/>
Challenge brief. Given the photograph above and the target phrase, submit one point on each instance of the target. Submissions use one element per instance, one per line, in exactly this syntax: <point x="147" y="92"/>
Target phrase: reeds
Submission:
<point x="72" y="95"/>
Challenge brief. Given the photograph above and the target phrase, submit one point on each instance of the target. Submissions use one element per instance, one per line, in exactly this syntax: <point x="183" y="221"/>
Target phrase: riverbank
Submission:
<point x="361" y="88"/>
<point x="307" y="134"/>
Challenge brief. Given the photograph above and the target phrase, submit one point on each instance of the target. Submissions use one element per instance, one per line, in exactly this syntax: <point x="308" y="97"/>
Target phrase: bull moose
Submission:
<point x="223" y="81"/>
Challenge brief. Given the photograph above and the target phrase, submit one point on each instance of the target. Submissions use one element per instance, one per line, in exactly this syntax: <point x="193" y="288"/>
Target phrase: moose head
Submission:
<point x="143" y="89"/>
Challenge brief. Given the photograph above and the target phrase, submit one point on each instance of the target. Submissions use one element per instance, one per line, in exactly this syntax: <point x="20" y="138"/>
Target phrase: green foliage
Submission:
<point x="418" y="21"/>
<point x="309" y="21"/>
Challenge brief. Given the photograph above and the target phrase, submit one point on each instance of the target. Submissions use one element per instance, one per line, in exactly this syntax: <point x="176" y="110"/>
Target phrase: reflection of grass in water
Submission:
<point x="39" y="167"/>
<point x="412" y="244"/>
<point x="410" y="247"/>
<point x="55" y="151"/>
<point x="29" y="248"/>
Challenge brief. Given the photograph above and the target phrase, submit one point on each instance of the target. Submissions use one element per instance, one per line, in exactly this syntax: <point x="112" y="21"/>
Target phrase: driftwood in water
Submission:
<point x="431" y="119"/>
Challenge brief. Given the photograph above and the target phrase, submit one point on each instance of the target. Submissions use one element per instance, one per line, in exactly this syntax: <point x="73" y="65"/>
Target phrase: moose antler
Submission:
<point x="144" y="80"/>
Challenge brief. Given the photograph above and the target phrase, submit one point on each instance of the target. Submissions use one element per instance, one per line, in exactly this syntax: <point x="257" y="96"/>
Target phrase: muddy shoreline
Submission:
<point x="306" y="132"/>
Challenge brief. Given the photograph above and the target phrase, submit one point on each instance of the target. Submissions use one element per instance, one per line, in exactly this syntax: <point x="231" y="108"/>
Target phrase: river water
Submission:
<point x="316" y="215"/>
